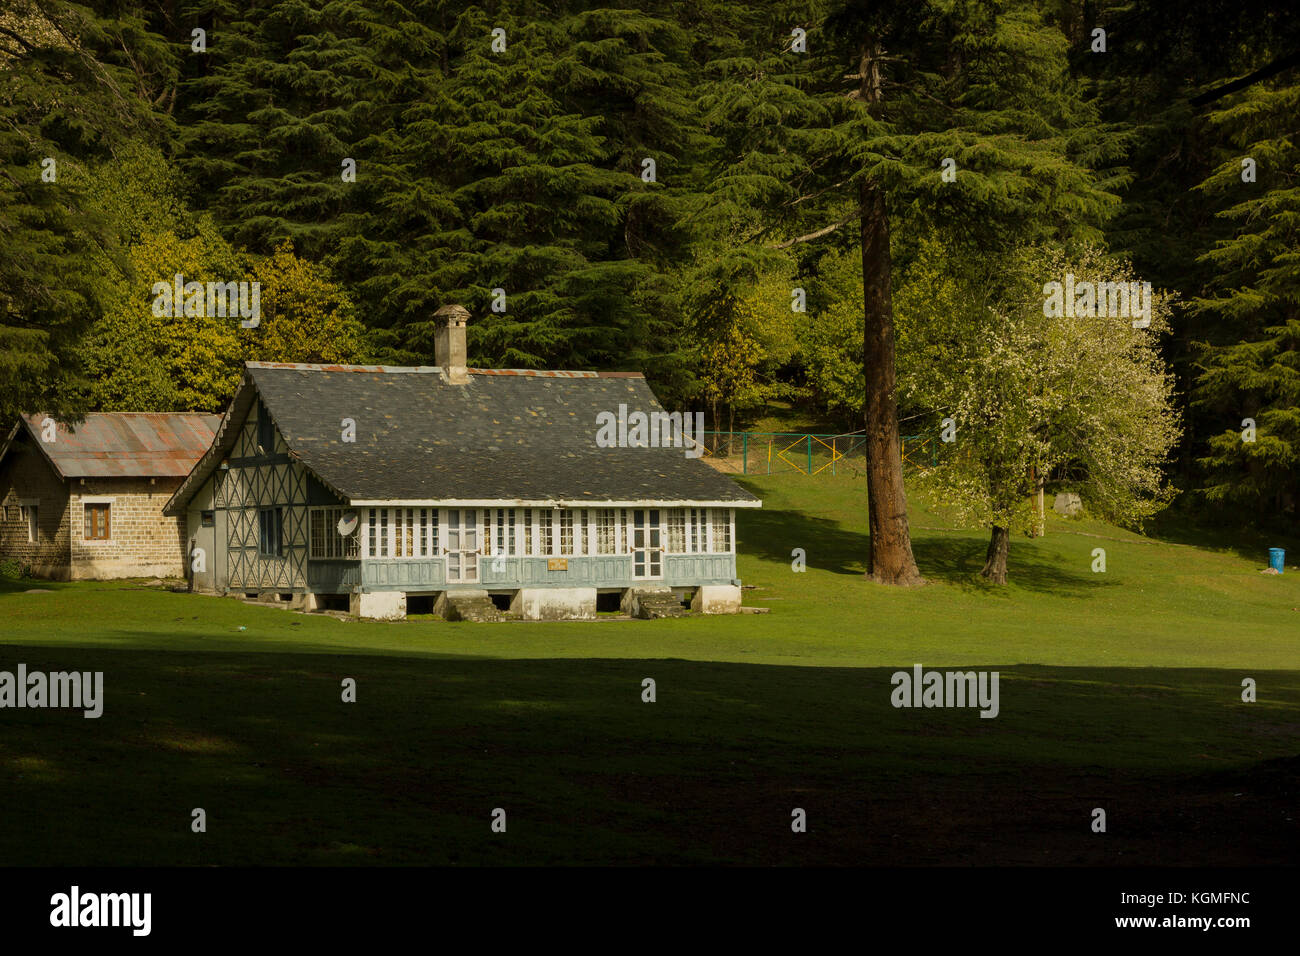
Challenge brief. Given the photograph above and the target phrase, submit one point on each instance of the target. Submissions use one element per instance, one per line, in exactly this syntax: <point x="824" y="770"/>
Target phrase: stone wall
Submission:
<point x="26" y="474"/>
<point x="143" y="542"/>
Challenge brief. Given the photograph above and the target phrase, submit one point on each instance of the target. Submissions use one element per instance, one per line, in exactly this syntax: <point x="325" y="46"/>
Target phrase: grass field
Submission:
<point x="1119" y="690"/>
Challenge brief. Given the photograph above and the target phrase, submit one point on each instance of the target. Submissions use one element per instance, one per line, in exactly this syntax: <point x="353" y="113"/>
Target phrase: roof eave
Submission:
<point x="551" y="503"/>
<point x="36" y="440"/>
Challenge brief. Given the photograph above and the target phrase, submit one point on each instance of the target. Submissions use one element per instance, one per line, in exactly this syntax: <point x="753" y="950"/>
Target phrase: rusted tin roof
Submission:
<point x="127" y="444"/>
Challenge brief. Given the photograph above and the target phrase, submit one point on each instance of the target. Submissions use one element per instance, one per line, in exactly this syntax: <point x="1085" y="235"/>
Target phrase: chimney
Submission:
<point x="449" y="342"/>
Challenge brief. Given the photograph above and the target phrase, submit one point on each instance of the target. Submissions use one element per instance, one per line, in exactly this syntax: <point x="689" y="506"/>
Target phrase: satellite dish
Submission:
<point x="348" y="523"/>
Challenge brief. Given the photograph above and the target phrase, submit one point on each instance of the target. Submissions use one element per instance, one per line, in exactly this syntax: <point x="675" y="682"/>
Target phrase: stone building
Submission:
<point x="461" y="491"/>
<point x="86" y="501"/>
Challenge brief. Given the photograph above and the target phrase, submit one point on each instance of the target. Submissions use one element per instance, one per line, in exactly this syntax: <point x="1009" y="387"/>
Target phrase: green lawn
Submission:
<point x="1118" y="690"/>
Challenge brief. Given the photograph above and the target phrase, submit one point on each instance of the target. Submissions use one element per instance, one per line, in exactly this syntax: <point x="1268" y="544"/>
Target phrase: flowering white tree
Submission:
<point x="1031" y="393"/>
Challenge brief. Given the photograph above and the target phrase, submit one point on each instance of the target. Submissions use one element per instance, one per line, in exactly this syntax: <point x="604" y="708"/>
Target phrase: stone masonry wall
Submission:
<point x="144" y="542"/>
<point x="26" y="474"/>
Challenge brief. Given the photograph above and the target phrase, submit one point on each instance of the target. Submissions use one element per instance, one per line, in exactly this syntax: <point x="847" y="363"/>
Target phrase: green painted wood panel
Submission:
<point x="507" y="573"/>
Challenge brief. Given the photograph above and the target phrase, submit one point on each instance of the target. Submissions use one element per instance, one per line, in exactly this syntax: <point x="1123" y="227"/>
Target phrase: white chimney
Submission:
<point x="449" y="342"/>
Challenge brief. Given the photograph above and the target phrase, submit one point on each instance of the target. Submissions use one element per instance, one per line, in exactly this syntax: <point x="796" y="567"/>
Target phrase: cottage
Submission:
<point x="463" y="491"/>
<point x="86" y="501"/>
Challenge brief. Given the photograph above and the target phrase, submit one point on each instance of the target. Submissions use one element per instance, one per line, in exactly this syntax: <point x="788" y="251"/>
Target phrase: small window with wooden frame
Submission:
<point x="98" y="523"/>
<point x="27" y="511"/>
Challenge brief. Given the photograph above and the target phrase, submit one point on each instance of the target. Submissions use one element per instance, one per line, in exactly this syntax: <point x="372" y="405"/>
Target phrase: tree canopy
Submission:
<point x="653" y="189"/>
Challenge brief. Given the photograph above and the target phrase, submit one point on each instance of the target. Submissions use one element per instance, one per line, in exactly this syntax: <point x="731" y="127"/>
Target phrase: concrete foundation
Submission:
<point x="716" y="599"/>
<point x="307" y="602"/>
<point x="555" y="604"/>
<point x="379" y="605"/>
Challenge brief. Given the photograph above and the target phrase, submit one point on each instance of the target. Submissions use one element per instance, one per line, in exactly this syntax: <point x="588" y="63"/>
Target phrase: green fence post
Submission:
<point x="810" y="454"/>
<point x="744" y="453"/>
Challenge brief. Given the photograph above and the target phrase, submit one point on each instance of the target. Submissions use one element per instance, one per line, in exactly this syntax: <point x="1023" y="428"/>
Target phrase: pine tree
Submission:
<point x="1158" y="81"/>
<point x="484" y="163"/>
<point x="279" y="98"/>
<point x="853" y="135"/>
<point x="73" y="85"/>
<point x="1255" y="293"/>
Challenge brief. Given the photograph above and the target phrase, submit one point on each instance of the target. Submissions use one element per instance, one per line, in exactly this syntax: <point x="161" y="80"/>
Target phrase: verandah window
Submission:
<point x="676" y="543"/>
<point x="566" y="531"/>
<point x="721" y="530"/>
<point x="326" y="542"/>
<point x="699" y="532"/>
<point x="503" y="541"/>
<point x="606" y="531"/>
<point x="545" y="526"/>
<point x="401" y="532"/>
<point x="413" y="532"/>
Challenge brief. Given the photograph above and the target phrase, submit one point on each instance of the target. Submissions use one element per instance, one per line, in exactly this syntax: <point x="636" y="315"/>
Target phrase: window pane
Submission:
<point x="605" y="535"/>
<point x="676" y="530"/>
<point x="721" y="530"/>
<point x="544" y="526"/>
<point x="566" y="532"/>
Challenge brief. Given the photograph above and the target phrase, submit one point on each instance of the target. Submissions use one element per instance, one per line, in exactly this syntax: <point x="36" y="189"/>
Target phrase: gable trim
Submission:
<point x="12" y="439"/>
<point x="246" y="395"/>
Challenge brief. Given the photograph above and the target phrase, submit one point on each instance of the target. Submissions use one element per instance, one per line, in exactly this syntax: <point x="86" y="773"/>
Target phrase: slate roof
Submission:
<point x="505" y="435"/>
<point x="126" y="444"/>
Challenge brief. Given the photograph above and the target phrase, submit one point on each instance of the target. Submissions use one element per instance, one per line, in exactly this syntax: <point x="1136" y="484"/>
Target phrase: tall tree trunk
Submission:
<point x="890" y="560"/>
<point x="717" y="427"/>
<point x="995" y="559"/>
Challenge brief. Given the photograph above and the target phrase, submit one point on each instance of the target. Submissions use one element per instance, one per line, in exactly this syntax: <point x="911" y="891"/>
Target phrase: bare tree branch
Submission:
<point x="825" y="231"/>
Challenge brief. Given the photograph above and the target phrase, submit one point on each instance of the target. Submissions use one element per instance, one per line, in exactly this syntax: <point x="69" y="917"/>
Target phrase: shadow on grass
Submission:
<point x="19" y="585"/>
<point x="1250" y="544"/>
<point x="955" y="558"/>
<point x="774" y="534"/>
<point x="589" y="773"/>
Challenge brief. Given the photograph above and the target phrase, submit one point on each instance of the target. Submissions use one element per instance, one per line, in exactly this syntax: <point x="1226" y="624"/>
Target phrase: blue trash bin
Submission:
<point x="1276" y="558"/>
